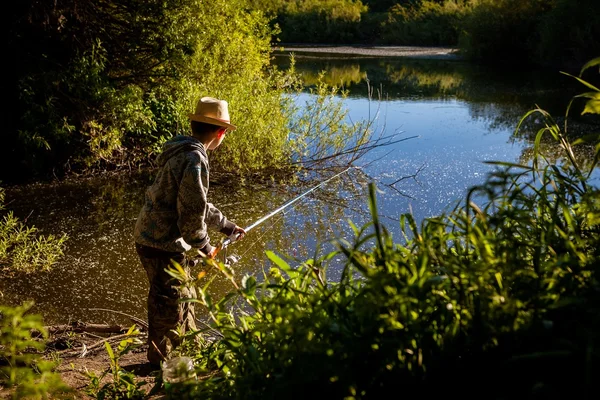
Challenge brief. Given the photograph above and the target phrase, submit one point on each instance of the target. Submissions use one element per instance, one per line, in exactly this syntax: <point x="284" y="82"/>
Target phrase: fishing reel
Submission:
<point x="232" y="259"/>
<point x="227" y="260"/>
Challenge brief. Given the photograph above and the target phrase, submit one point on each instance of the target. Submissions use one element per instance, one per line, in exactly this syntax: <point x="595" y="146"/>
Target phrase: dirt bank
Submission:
<point x="448" y="53"/>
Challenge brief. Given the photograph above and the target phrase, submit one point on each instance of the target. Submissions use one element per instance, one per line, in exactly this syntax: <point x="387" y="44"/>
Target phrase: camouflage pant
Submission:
<point x="165" y="314"/>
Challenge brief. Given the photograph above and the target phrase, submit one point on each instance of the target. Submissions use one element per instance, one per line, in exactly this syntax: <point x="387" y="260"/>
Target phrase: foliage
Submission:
<point x="103" y="84"/>
<point x="566" y="32"/>
<point x="123" y="384"/>
<point x="385" y="5"/>
<point x="546" y="32"/>
<point x="412" y="22"/>
<point x="503" y="289"/>
<point x="502" y="30"/>
<point x="234" y="66"/>
<point x="259" y="145"/>
<point x="22" y="367"/>
<point x="22" y="249"/>
<point x="559" y="134"/>
<point x="425" y="23"/>
<point x="321" y="131"/>
<point x="318" y="21"/>
<point x="592" y="104"/>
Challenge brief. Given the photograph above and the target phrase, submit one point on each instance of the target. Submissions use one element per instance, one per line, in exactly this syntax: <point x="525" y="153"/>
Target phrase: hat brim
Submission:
<point x="212" y="121"/>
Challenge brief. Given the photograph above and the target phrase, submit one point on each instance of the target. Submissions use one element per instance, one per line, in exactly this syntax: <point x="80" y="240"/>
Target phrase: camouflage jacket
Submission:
<point x="176" y="211"/>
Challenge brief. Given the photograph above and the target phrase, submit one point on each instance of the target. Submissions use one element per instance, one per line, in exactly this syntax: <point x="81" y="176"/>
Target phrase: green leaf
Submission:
<point x="589" y="85"/>
<point x="592" y="107"/>
<point x="589" y="64"/>
<point x="278" y="261"/>
<point x="109" y="350"/>
<point x="498" y="277"/>
<point x="133" y="330"/>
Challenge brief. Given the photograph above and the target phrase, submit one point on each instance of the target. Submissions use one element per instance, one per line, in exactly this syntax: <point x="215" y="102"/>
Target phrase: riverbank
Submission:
<point x="438" y="53"/>
<point x="79" y="356"/>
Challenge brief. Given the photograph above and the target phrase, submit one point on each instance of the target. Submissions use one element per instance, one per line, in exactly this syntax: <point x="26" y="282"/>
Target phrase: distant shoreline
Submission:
<point x="303" y="50"/>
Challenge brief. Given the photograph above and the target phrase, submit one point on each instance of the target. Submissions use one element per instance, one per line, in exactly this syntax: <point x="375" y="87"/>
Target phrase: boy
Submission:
<point x="174" y="219"/>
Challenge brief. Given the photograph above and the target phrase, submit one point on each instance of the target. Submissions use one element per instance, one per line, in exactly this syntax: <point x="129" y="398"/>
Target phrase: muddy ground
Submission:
<point x="80" y="355"/>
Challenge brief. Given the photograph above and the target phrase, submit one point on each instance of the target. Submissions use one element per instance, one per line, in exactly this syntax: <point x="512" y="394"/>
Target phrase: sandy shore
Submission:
<point x="373" y="51"/>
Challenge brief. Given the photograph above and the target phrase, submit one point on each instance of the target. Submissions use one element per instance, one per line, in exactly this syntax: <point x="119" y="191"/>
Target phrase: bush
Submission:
<point x="99" y="86"/>
<point x="502" y="31"/>
<point x="425" y="23"/>
<point x="22" y="368"/>
<point x="22" y="249"/>
<point x="320" y="21"/>
<point x="568" y="32"/>
<point x="478" y="294"/>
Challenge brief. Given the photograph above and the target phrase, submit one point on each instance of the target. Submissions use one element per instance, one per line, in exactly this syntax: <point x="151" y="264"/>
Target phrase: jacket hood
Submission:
<point x="179" y="144"/>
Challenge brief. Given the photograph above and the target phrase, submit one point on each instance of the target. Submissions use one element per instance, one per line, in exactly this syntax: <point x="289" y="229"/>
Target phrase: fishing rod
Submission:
<point x="231" y="239"/>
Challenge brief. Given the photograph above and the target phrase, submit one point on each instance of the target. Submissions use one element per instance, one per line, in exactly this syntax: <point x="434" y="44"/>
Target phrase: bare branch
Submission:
<point x="138" y="321"/>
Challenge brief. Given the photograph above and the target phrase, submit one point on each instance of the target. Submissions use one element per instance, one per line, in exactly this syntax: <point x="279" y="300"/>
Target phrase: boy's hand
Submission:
<point x="238" y="233"/>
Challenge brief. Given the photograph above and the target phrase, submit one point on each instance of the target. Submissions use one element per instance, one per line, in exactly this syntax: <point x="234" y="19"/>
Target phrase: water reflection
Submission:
<point x="497" y="95"/>
<point x="405" y="78"/>
<point x="493" y="97"/>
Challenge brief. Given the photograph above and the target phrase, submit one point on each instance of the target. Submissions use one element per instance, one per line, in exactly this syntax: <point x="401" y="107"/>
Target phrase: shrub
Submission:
<point x="503" y="31"/>
<point x="123" y="384"/>
<point x="22" y="249"/>
<point x="22" y="368"/>
<point x="98" y="86"/>
<point x="320" y="21"/>
<point x="567" y="33"/>
<point x="425" y="23"/>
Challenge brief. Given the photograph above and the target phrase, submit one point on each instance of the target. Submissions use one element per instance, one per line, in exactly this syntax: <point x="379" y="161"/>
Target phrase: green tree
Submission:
<point x="320" y="21"/>
<point x="101" y="84"/>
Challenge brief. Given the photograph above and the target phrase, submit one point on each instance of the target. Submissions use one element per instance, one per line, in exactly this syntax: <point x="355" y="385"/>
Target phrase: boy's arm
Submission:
<point x="195" y="212"/>
<point x="215" y="218"/>
<point x="192" y="205"/>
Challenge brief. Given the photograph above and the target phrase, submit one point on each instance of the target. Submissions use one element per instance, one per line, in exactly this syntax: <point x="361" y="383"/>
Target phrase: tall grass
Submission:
<point x="22" y="248"/>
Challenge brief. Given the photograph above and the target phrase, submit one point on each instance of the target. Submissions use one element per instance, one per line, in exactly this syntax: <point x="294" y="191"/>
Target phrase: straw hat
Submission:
<point x="212" y="111"/>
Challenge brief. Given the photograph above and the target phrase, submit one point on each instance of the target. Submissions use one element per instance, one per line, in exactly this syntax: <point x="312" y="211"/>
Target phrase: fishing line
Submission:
<point x="265" y="231"/>
<point x="231" y="239"/>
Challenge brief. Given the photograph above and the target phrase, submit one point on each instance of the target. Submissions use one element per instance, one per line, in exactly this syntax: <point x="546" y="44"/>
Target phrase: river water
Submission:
<point x="454" y="117"/>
